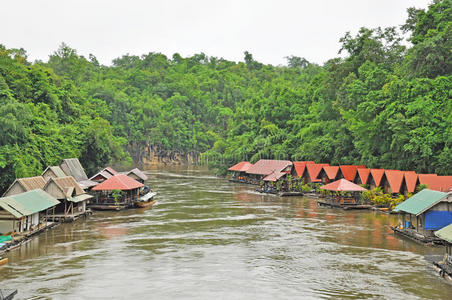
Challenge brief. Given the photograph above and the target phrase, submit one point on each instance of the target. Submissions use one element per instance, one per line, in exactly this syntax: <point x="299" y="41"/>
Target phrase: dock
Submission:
<point x="344" y="206"/>
<point x="419" y="238"/>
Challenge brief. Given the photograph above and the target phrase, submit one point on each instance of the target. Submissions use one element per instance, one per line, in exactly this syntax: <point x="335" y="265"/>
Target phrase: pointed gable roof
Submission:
<point x="111" y="171"/>
<point x="118" y="182"/>
<point x="138" y="173"/>
<point x="300" y="167"/>
<point x="314" y="170"/>
<point x="411" y="180"/>
<point x="364" y="175"/>
<point x="25" y="185"/>
<point x="66" y="187"/>
<point x="267" y="166"/>
<point x="349" y="171"/>
<point x="331" y="171"/>
<point x="73" y="167"/>
<point x="242" y="166"/>
<point x="377" y="175"/>
<point x="55" y="170"/>
<point x="395" y="179"/>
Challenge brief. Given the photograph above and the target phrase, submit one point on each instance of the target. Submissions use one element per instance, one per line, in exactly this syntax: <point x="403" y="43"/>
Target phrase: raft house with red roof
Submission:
<point x="116" y="193"/>
<point x="238" y="172"/>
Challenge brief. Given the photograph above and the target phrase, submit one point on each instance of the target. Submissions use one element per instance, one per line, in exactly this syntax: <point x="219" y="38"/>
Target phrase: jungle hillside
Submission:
<point x="384" y="102"/>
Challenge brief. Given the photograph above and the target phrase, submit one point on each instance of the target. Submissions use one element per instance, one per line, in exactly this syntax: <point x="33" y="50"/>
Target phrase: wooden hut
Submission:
<point x="424" y="213"/>
<point x="22" y="185"/>
<point x="299" y="171"/>
<point x="107" y="198"/>
<point x="104" y="174"/>
<point x="265" y="167"/>
<point x="363" y="176"/>
<point x="53" y="172"/>
<point x="73" y="167"/>
<point x="375" y="178"/>
<point x="73" y="199"/>
<point x="312" y="172"/>
<point x="25" y="213"/>
<point x="445" y="265"/>
<point x="349" y="172"/>
<point x="328" y="174"/>
<point x="411" y="181"/>
<point x="239" y="171"/>
<point x="137" y="174"/>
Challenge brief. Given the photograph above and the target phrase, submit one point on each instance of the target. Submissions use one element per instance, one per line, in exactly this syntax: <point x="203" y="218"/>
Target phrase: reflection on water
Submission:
<point x="208" y="238"/>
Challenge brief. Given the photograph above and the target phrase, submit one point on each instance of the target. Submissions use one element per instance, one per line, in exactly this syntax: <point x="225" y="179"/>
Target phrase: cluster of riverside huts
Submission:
<point x="424" y="217"/>
<point x="64" y="193"/>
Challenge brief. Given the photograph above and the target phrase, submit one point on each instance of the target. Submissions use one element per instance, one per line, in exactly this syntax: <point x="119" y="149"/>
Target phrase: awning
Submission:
<point x="79" y="198"/>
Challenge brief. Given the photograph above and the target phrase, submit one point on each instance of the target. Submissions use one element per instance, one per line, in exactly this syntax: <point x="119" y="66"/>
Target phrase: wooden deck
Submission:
<point x="419" y="238"/>
<point x="343" y="206"/>
<point x="68" y="217"/>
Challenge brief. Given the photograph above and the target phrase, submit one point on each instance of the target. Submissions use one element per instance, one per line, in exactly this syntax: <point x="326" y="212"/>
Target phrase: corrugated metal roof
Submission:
<point x="28" y="184"/>
<point x="28" y="203"/>
<point x="138" y="173"/>
<point x="445" y="233"/>
<point x="411" y="179"/>
<point x="395" y="179"/>
<point x="85" y="184"/>
<point x="66" y="184"/>
<point x="56" y="170"/>
<point x="242" y="166"/>
<point x="267" y="166"/>
<point x="111" y="171"/>
<point x="73" y="167"/>
<point x="364" y="175"/>
<point x="420" y="202"/>
<point x="80" y="198"/>
<point x="101" y="174"/>
<point x="343" y="185"/>
<point x="118" y="182"/>
<point x="274" y="176"/>
<point x="377" y="175"/>
<point x="314" y="170"/>
<point x="331" y="171"/>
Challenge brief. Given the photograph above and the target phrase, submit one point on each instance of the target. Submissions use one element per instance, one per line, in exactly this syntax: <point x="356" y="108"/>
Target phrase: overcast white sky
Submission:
<point x="270" y="30"/>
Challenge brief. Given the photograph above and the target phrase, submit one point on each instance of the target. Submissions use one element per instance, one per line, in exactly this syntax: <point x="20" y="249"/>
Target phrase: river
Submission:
<point x="207" y="238"/>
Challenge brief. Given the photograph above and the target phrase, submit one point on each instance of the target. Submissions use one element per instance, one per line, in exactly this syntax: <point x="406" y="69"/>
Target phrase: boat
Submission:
<point x="6" y="294"/>
<point x="3" y="261"/>
<point x="146" y="200"/>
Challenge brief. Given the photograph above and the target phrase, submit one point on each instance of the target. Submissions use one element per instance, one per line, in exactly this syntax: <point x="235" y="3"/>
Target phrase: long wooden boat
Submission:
<point x="3" y="261"/>
<point x="146" y="200"/>
<point x="7" y="294"/>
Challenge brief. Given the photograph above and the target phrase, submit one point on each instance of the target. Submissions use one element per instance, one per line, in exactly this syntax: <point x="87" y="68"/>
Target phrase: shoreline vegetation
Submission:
<point x="386" y="103"/>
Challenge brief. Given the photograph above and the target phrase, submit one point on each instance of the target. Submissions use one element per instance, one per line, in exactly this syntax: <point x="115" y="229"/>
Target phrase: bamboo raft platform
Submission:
<point x="20" y="239"/>
<point x="289" y="194"/>
<point x="66" y="218"/>
<point x="444" y="270"/>
<point x="344" y="206"/>
<point x="417" y="237"/>
<point x="113" y="207"/>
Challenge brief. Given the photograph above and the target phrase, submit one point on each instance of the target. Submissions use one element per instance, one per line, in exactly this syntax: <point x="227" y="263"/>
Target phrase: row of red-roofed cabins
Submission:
<point x="391" y="181"/>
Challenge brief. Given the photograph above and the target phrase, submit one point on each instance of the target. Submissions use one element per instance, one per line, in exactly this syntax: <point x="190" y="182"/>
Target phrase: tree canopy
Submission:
<point x="385" y="104"/>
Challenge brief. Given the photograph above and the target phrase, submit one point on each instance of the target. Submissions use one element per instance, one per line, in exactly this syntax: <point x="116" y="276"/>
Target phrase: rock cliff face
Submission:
<point x="154" y="156"/>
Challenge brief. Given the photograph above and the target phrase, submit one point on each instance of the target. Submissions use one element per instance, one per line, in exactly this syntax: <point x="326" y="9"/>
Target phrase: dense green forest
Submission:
<point x="385" y="103"/>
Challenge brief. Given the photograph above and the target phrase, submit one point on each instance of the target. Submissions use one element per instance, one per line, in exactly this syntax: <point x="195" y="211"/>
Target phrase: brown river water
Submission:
<point x="208" y="238"/>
